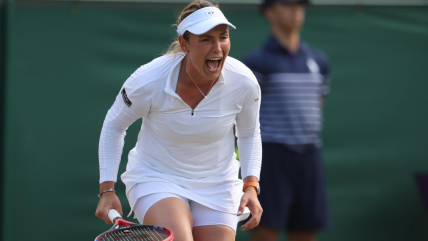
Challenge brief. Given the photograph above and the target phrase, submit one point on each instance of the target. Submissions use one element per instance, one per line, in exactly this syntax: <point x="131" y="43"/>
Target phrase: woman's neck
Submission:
<point x="190" y="75"/>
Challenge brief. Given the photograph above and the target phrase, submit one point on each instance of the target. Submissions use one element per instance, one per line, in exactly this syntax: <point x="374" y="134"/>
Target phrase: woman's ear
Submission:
<point x="183" y="44"/>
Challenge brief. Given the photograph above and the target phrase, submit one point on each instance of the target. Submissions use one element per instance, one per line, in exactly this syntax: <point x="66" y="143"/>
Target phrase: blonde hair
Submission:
<point x="174" y="47"/>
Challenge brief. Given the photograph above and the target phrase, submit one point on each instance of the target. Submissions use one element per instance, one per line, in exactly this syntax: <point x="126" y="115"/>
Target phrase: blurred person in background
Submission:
<point x="294" y="78"/>
<point x="183" y="171"/>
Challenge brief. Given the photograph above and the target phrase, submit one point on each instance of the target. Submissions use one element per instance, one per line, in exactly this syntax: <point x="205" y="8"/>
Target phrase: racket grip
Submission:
<point x="113" y="214"/>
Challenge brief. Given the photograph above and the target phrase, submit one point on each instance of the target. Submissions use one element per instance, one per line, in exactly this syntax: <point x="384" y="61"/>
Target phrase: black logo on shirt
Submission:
<point x="125" y="98"/>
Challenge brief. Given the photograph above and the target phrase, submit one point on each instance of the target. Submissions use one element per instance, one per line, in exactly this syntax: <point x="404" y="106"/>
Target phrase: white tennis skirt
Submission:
<point x="222" y="192"/>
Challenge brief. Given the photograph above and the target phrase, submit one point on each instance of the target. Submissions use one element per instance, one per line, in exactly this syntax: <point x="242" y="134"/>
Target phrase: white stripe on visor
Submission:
<point x="202" y="21"/>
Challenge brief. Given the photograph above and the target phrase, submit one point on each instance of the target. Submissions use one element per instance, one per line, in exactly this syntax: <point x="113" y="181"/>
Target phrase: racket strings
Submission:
<point x="136" y="234"/>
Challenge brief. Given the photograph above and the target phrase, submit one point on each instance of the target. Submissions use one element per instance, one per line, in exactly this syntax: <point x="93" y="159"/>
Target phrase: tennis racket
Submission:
<point x="132" y="231"/>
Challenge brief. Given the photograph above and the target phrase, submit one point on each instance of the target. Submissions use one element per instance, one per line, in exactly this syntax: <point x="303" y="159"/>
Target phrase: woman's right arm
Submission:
<point x="130" y="105"/>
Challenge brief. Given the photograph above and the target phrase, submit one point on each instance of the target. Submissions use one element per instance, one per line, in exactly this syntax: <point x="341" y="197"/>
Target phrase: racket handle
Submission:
<point x="113" y="214"/>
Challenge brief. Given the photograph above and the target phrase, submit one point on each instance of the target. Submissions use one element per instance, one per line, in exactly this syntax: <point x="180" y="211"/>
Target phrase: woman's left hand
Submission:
<point x="250" y="200"/>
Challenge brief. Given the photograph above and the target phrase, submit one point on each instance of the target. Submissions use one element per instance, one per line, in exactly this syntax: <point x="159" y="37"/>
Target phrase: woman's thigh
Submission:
<point x="167" y="210"/>
<point x="213" y="233"/>
<point x="210" y="224"/>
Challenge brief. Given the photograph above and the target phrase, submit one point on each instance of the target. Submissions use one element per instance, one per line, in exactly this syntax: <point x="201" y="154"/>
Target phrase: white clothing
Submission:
<point x="179" y="150"/>
<point x="202" y="20"/>
<point x="202" y="216"/>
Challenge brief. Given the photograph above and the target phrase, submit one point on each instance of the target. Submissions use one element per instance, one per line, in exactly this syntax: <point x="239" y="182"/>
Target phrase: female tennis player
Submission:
<point x="183" y="173"/>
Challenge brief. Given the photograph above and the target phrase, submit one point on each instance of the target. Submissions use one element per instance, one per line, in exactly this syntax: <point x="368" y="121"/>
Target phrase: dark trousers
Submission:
<point x="293" y="194"/>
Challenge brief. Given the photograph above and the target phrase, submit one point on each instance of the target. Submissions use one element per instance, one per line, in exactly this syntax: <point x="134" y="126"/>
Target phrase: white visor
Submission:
<point x="202" y="21"/>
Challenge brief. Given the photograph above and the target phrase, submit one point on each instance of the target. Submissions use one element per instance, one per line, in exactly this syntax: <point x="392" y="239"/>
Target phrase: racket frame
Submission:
<point x="133" y="226"/>
<point x="117" y="220"/>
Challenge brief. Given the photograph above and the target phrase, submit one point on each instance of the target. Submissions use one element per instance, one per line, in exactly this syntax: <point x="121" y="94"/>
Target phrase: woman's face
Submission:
<point x="207" y="52"/>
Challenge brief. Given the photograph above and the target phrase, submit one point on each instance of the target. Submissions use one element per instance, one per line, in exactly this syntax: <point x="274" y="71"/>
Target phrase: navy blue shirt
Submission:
<point x="292" y="85"/>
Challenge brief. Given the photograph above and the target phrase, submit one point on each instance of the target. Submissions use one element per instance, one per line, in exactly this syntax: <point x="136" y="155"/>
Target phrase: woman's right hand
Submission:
<point x="108" y="200"/>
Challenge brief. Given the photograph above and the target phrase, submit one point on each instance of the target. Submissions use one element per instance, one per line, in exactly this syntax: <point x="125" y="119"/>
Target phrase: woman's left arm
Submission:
<point x="250" y="150"/>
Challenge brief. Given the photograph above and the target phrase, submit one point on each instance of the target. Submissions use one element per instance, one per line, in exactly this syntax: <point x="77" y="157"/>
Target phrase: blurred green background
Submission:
<point x="65" y="63"/>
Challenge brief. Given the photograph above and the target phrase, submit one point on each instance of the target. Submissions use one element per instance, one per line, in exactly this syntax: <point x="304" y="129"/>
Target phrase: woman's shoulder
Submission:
<point x="240" y="72"/>
<point x="152" y="73"/>
<point x="157" y="68"/>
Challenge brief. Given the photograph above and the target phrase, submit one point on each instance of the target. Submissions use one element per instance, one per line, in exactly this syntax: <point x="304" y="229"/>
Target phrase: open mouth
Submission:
<point x="213" y="64"/>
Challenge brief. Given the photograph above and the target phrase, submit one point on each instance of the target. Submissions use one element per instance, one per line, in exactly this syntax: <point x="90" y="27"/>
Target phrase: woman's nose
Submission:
<point x="217" y="46"/>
